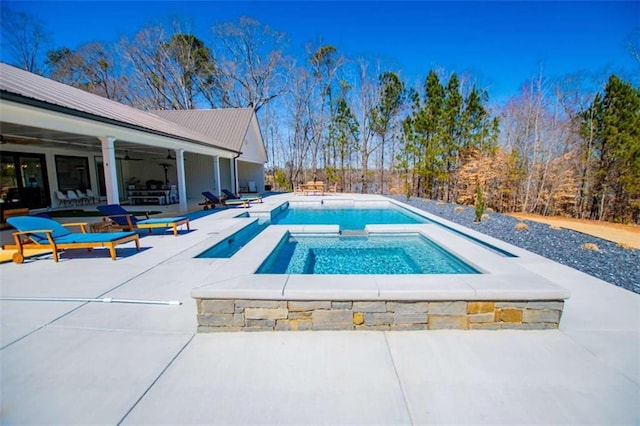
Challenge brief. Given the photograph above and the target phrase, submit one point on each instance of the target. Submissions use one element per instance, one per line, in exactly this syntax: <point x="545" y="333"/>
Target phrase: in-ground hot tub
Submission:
<point x="500" y="292"/>
<point x="376" y="254"/>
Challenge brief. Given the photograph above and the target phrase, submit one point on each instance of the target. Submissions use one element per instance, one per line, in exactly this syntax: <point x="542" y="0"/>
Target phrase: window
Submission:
<point x="72" y="172"/>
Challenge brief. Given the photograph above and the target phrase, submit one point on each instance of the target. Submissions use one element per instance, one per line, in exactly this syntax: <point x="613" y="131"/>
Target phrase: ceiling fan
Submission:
<point x="127" y="158"/>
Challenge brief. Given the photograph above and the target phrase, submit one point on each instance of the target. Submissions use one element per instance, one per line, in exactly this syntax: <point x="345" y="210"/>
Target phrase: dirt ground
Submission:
<point x="629" y="235"/>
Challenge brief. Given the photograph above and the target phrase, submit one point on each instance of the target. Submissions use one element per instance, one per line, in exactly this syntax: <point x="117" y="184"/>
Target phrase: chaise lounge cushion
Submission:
<point x="60" y="234"/>
<point x="123" y="219"/>
<point x="105" y="237"/>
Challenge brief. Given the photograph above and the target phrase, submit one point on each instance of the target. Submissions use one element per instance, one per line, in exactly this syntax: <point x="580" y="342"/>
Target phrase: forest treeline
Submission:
<point x="567" y="145"/>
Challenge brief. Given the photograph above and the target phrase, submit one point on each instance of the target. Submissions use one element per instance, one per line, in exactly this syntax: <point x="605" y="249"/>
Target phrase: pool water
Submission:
<point x="380" y="254"/>
<point x="346" y="218"/>
<point x="230" y="245"/>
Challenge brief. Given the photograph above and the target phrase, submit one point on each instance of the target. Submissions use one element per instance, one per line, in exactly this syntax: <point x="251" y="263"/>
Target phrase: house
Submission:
<point x="55" y="138"/>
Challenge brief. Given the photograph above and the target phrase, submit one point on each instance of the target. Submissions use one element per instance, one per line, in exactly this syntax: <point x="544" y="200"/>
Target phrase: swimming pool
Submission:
<point x="392" y="254"/>
<point x="352" y="218"/>
<point x="377" y="286"/>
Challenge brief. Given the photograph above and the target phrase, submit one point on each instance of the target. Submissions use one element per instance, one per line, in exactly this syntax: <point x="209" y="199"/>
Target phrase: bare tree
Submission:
<point x="168" y="71"/>
<point x="324" y="63"/>
<point x="93" y="67"/>
<point x="301" y="135"/>
<point x="252" y="67"/>
<point x="367" y="99"/>
<point x="27" y="38"/>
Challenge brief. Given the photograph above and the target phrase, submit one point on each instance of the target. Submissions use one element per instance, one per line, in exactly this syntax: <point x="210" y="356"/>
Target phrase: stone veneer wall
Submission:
<point x="262" y="315"/>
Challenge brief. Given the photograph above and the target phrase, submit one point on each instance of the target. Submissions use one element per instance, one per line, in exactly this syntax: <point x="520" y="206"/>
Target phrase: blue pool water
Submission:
<point x="380" y="254"/>
<point x="346" y="218"/>
<point x="230" y="245"/>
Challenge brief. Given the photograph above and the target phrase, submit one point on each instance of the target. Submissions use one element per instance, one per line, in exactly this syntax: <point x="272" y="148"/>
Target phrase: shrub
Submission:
<point x="407" y="190"/>
<point x="521" y="226"/>
<point x="479" y="204"/>
<point x="590" y="246"/>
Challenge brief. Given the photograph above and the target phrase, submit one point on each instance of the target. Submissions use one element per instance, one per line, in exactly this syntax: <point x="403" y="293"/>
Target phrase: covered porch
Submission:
<point x="63" y="147"/>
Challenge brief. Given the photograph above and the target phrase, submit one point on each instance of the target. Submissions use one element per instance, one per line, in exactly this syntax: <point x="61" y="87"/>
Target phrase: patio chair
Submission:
<point x="73" y="197"/>
<point x="173" y="195"/>
<point x="211" y="200"/>
<point x="123" y="219"/>
<point x="91" y="197"/>
<point x="83" y="198"/>
<point x="42" y="233"/>
<point x="231" y="196"/>
<point x="63" y="200"/>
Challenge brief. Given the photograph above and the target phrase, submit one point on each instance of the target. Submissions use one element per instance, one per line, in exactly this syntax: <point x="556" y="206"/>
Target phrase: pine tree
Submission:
<point x="611" y="128"/>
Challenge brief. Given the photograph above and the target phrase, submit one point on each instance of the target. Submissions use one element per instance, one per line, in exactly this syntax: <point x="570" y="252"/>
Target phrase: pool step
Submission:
<point x="354" y="232"/>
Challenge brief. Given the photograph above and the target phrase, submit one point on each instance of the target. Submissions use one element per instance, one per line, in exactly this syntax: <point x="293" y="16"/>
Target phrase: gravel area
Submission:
<point x="610" y="263"/>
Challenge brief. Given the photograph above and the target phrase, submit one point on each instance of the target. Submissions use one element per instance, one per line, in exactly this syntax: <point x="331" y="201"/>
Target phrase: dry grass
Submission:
<point x="616" y="232"/>
<point x="485" y="216"/>
<point x="521" y="226"/>
<point x="556" y="227"/>
<point x="625" y="246"/>
<point x="459" y="209"/>
<point x="440" y="203"/>
<point x="591" y="246"/>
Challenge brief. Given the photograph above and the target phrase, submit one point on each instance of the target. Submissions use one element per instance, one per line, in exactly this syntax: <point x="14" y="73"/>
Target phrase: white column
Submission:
<point x="216" y="164"/>
<point x="182" y="184"/>
<point x="110" y="171"/>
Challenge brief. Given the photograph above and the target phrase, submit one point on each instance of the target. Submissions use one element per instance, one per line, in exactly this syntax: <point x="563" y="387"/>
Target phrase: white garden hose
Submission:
<point x="81" y="299"/>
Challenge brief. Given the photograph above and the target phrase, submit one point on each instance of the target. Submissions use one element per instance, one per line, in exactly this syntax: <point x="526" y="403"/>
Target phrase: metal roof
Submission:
<point x="61" y="97"/>
<point x="228" y="125"/>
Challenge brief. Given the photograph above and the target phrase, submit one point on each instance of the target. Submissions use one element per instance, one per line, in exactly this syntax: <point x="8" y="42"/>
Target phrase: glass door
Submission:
<point x="23" y="181"/>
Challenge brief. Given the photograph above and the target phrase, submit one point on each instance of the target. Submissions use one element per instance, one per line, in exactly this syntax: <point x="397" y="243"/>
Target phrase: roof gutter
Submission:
<point x="81" y="114"/>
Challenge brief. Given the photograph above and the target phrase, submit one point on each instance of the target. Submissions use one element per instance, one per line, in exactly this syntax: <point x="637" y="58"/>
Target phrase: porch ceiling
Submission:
<point x="28" y="135"/>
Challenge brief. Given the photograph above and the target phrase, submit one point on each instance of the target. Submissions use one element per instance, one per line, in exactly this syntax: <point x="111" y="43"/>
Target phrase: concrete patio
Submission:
<point x="117" y="363"/>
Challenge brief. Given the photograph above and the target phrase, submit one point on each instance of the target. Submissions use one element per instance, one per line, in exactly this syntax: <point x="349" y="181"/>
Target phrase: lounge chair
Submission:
<point x="231" y="196"/>
<point x="42" y="233"/>
<point x="123" y="219"/>
<point x="211" y="200"/>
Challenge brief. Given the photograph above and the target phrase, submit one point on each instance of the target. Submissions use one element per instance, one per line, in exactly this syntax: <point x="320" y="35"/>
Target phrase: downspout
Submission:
<point x="235" y="173"/>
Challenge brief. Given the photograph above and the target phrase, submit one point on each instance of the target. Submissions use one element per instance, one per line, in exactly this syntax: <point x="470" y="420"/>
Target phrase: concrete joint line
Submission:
<point x="395" y="371"/>
<point x="135" y="404"/>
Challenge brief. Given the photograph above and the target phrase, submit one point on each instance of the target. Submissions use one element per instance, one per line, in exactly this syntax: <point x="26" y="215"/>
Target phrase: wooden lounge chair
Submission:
<point x="313" y="188"/>
<point x="42" y="233"/>
<point x="211" y="200"/>
<point x="123" y="219"/>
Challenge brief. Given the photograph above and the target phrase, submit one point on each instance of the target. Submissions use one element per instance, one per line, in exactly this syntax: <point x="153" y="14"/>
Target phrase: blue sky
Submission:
<point x="501" y="43"/>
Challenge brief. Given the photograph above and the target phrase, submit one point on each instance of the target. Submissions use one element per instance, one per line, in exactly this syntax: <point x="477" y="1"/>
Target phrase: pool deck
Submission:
<point x="112" y="363"/>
